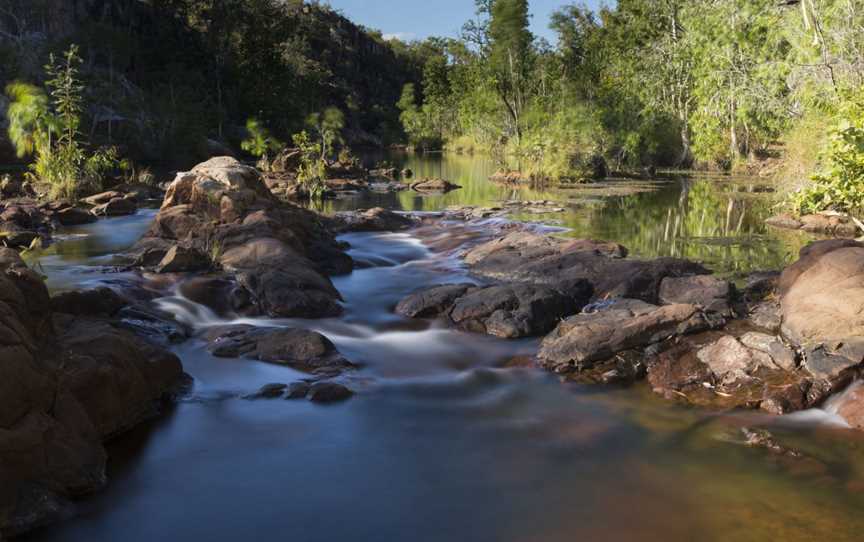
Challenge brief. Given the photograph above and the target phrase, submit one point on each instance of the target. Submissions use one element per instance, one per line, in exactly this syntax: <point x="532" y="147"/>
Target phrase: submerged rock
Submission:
<point x="329" y="392"/>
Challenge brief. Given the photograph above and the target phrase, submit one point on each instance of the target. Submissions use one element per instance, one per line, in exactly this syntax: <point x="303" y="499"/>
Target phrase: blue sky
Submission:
<point x="418" y="19"/>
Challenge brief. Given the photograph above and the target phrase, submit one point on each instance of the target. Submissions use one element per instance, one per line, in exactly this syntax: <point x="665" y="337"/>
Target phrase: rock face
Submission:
<point x="280" y="254"/>
<point x="299" y="349"/>
<point x="67" y="383"/>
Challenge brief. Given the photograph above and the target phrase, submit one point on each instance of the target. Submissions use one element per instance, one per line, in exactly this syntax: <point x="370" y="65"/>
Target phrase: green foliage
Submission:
<point x="31" y="122"/>
<point x="260" y="143"/>
<point x="328" y="126"/>
<point x="50" y="131"/>
<point x="840" y="185"/>
<point x="312" y="167"/>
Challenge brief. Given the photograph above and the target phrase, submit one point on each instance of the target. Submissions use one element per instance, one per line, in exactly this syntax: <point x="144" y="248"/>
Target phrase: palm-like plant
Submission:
<point x="31" y="122"/>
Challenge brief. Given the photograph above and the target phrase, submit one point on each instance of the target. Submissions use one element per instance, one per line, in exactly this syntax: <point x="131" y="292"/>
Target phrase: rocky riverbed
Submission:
<point x="231" y="281"/>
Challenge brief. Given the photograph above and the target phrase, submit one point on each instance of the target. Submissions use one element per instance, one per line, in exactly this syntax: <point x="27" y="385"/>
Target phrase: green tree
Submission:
<point x="328" y="125"/>
<point x="511" y="57"/>
<point x="260" y="142"/>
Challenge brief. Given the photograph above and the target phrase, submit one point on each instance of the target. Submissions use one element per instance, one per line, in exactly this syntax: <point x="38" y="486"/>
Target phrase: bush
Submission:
<point x="840" y="185"/>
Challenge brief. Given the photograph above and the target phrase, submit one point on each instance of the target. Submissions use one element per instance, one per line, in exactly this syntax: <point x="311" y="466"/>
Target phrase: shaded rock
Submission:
<point x="766" y="315"/>
<point x="516" y="310"/>
<point x="705" y="291"/>
<point x="180" y="259"/>
<point x="433" y="185"/>
<point x="376" y="219"/>
<point x="299" y="349"/>
<point x="329" y="392"/>
<point x="269" y="391"/>
<point x="584" y="339"/>
<point x="103" y="197"/>
<point x="433" y="301"/>
<point x="297" y="390"/>
<point x="116" y="207"/>
<point x="526" y="257"/>
<point x="99" y="301"/>
<point x="219" y="294"/>
<point x="74" y="216"/>
<point x="67" y="383"/>
<point x="287" y="161"/>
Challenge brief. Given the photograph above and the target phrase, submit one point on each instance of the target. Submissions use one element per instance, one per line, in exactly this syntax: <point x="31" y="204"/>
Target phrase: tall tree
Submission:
<point x="511" y="57"/>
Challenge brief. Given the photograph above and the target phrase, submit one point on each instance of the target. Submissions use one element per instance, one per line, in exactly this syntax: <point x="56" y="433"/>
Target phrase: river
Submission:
<point x="448" y="438"/>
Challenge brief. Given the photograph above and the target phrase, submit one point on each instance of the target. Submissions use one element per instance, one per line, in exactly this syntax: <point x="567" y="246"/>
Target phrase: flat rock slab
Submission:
<point x="582" y="340"/>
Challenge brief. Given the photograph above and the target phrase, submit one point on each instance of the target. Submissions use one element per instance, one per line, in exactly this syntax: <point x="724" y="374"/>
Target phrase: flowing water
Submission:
<point x="448" y="437"/>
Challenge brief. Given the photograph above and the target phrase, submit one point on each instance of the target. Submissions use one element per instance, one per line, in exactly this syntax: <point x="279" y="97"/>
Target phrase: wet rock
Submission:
<point x="221" y="295"/>
<point x="180" y="259"/>
<point x="269" y="391"/>
<point x="157" y="326"/>
<point x="730" y="360"/>
<point x="67" y="383"/>
<point x="299" y="349"/>
<point x="582" y="340"/>
<point x="95" y="302"/>
<point x="74" y="216"/>
<point x="516" y="310"/>
<point x="329" y="392"/>
<point x="850" y="405"/>
<point x="784" y="220"/>
<point x="297" y="390"/>
<point x="434" y="185"/>
<point x="705" y="291"/>
<point x="103" y="197"/>
<point x="781" y="355"/>
<point x="433" y="301"/>
<point x="116" y="207"/>
<point x="372" y="220"/>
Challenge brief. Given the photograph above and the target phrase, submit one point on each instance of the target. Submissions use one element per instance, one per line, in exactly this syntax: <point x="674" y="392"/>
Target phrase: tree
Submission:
<point x="30" y="120"/>
<point x="511" y="57"/>
<point x="328" y="125"/>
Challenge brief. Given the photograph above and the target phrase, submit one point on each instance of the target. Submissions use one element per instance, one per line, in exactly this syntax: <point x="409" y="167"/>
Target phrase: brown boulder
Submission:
<point x="822" y="306"/>
<point x="376" y="219"/>
<point x="116" y="207"/>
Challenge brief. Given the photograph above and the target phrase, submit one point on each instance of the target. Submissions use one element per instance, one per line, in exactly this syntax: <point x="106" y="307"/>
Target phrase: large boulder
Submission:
<point x="68" y="381"/>
<point x="822" y="307"/>
<point x="279" y="253"/>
